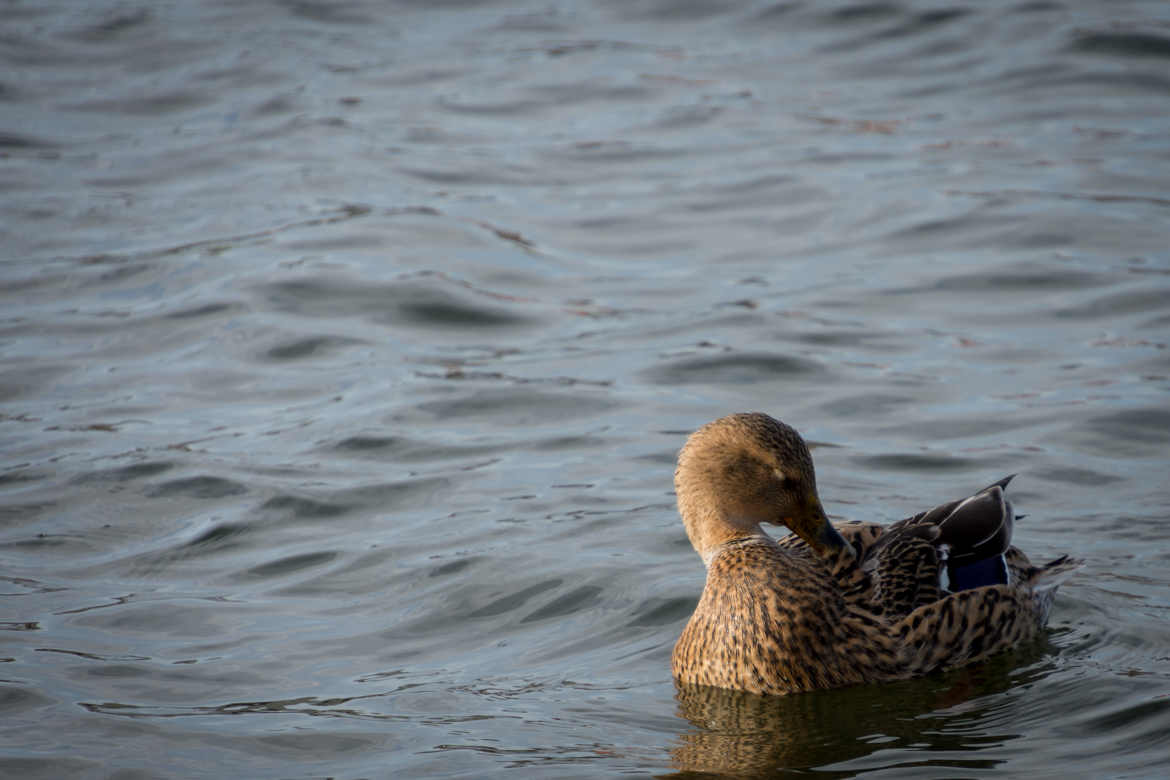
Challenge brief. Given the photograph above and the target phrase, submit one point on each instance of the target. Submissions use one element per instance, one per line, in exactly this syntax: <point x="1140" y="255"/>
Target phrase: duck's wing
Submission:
<point x="902" y="568"/>
<point x="968" y="626"/>
<point x="974" y="533"/>
<point x="973" y="624"/>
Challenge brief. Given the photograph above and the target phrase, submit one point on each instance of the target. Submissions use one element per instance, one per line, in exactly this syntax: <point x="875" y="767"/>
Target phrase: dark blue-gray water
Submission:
<point x="345" y="349"/>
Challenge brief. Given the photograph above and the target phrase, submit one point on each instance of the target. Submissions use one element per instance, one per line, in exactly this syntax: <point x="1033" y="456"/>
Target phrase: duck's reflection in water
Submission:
<point x="746" y="734"/>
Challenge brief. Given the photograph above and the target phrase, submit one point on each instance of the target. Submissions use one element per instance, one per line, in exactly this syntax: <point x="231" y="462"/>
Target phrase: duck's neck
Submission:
<point x="710" y="530"/>
<point x="760" y="537"/>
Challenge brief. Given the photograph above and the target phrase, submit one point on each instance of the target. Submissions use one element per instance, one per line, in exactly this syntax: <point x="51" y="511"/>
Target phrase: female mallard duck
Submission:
<point x="830" y="606"/>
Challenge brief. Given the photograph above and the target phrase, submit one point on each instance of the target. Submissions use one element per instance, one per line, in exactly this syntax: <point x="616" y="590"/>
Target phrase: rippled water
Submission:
<point x="346" y="349"/>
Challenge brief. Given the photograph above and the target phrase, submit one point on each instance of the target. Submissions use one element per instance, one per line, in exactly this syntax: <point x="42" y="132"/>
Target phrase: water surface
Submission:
<point x="346" y="349"/>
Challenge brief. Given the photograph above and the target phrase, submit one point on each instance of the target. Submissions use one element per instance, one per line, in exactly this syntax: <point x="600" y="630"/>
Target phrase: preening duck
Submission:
<point x="841" y="604"/>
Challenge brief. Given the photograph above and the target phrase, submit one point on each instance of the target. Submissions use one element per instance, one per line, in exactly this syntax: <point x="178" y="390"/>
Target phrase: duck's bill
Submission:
<point x="829" y="539"/>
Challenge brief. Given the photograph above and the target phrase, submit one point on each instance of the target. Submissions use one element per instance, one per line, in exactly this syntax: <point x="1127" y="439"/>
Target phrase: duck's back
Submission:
<point x="775" y="619"/>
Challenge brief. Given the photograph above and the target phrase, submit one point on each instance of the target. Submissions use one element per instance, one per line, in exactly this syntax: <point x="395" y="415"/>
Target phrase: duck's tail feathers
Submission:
<point x="977" y="527"/>
<point x="1053" y="574"/>
<point x="1001" y="484"/>
<point x="1046" y="579"/>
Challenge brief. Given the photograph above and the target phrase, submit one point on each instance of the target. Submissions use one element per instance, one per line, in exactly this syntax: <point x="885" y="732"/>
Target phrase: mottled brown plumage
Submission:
<point x="830" y="606"/>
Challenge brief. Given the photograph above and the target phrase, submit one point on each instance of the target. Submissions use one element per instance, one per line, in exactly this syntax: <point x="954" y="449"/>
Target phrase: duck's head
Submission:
<point x="743" y="470"/>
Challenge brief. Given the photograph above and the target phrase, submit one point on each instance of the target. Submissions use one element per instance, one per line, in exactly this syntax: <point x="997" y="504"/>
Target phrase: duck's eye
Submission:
<point x="781" y="478"/>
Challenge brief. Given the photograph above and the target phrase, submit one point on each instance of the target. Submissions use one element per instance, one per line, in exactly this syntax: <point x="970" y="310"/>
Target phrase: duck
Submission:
<point x="838" y="604"/>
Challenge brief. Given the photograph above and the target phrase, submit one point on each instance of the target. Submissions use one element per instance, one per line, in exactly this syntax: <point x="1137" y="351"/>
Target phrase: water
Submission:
<point x="346" y="349"/>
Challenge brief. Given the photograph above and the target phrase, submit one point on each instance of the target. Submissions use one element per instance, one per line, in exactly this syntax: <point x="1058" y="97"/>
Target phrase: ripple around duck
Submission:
<point x="1125" y="719"/>
<point x="197" y="487"/>
<point x="160" y="103"/>
<point x="29" y="381"/>
<point x="403" y="303"/>
<point x="1075" y="476"/>
<point x="18" y="141"/>
<point x="862" y="13"/>
<point x="869" y="340"/>
<point x="1114" y="304"/>
<point x="115" y="25"/>
<point x="913" y="462"/>
<point x="662" y="612"/>
<point x="910" y="25"/>
<point x="15" y="699"/>
<point x="453" y="567"/>
<point x="288" y="564"/>
<point x="127" y="473"/>
<point x="13" y="766"/>
<point x="515" y="600"/>
<point x="576" y="600"/>
<point x="949" y="428"/>
<point x="516" y="406"/>
<point x="328" y="13"/>
<point x="1129" y="433"/>
<point x="389" y="496"/>
<point x="402" y="449"/>
<point x="739" y="368"/>
<point x="300" y="508"/>
<point x="1123" y="44"/>
<point x="206" y="310"/>
<point x="313" y="346"/>
<point x="381" y="497"/>
<point x="1027" y="281"/>
<point x="219" y="536"/>
<point x="865" y="406"/>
